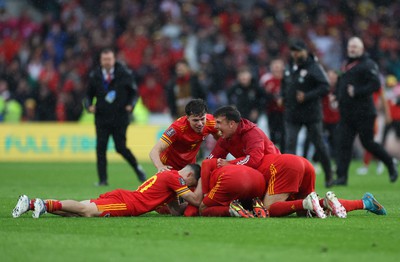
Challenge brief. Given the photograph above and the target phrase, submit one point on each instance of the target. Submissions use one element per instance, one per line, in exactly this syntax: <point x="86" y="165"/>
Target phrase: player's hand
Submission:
<point x="350" y="90"/>
<point x="222" y="162"/>
<point x="300" y="96"/>
<point x="129" y="108"/>
<point x="164" y="168"/>
<point x="279" y="101"/>
<point x="92" y="109"/>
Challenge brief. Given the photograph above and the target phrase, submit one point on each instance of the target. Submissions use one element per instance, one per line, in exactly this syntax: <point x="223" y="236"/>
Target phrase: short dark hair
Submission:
<point x="230" y="112"/>
<point x="183" y="61"/>
<point x="107" y="50"/>
<point x="196" y="107"/>
<point x="297" y="45"/>
<point x="196" y="170"/>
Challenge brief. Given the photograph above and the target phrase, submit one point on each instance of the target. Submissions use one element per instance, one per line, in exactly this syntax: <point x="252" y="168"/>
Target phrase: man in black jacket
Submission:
<point x="247" y="95"/>
<point x="182" y="88"/>
<point x="360" y="78"/>
<point x="303" y="86"/>
<point x="114" y="87"/>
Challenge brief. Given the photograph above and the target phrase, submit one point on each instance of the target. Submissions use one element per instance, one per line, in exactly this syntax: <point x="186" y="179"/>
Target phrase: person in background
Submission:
<point x="271" y="82"/>
<point x="247" y="95"/>
<point x="183" y="88"/>
<point x="381" y="104"/>
<point x="393" y="100"/>
<point x="114" y="88"/>
<point x="357" y="83"/>
<point x="304" y="85"/>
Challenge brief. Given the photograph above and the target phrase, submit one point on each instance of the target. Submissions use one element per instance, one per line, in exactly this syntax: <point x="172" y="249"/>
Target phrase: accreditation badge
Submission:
<point x="110" y="97"/>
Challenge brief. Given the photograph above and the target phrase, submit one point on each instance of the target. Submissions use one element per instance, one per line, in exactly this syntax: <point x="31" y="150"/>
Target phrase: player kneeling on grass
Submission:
<point x="290" y="183"/>
<point x="226" y="184"/>
<point x="155" y="191"/>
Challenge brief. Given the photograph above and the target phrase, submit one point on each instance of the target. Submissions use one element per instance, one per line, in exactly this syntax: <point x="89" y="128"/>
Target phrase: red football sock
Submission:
<point x="351" y="205"/>
<point x="217" y="211"/>
<point x="285" y="208"/>
<point x="53" y="205"/>
<point x="31" y="204"/>
<point x="367" y="158"/>
<point x="191" y="211"/>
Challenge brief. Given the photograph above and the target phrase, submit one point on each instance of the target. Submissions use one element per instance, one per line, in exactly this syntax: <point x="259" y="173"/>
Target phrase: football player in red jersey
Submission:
<point x="290" y="182"/>
<point x="223" y="185"/>
<point x="157" y="190"/>
<point x="181" y="142"/>
<point x="241" y="138"/>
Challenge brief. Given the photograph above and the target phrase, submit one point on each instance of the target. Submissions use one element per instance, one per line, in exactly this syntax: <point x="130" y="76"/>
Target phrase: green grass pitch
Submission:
<point x="361" y="237"/>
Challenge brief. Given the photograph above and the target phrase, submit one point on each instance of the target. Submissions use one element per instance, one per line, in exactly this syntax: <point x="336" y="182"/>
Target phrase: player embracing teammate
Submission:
<point x="260" y="177"/>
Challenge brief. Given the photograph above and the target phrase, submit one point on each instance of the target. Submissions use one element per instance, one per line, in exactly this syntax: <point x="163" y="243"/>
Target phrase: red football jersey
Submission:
<point x="155" y="191"/>
<point x="183" y="142"/>
<point x="394" y="111"/>
<point x="330" y="111"/>
<point x="248" y="145"/>
<point x="272" y="86"/>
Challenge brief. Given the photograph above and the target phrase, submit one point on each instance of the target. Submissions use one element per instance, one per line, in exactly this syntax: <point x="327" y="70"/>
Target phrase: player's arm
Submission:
<point x="218" y="151"/>
<point x="155" y="153"/>
<point x="195" y="197"/>
<point x="321" y="84"/>
<point x="371" y="81"/>
<point x="216" y="135"/>
<point x="254" y="152"/>
<point x="90" y="94"/>
<point x="176" y="208"/>
<point x="207" y="167"/>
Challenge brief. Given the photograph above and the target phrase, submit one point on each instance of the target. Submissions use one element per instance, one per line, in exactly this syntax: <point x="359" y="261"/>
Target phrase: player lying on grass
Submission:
<point x="157" y="190"/>
<point x="291" y="188"/>
<point x="224" y="184"/>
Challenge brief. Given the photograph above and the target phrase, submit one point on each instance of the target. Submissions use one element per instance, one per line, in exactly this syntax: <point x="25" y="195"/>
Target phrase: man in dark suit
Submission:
<point x="114" y="87"/>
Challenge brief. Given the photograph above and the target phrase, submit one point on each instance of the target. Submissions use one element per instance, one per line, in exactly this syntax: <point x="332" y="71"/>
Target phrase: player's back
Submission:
<point x="155" y="191"/>
<point x="239" y="178"/>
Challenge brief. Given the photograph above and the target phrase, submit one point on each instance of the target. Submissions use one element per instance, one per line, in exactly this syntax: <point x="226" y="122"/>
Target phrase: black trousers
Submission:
<point x="346" y="133"/>
<point x="314" y="131"/>
<point x="276" y="129"/>
<point x="329" y="134"/>
<point x="118" y="133"/>
<point x="395" y="125"/>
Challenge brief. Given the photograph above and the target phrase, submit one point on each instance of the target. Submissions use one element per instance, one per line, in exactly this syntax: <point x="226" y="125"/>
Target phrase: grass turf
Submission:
<point x="152" y="237"/>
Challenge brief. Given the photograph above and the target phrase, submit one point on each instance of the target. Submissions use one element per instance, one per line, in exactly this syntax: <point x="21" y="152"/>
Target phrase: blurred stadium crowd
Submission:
<point x="45" y="58"/>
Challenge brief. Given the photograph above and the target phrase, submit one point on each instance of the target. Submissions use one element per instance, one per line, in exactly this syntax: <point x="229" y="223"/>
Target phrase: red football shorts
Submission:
<point x="112" y="204"/>
<point x="241" y="183"/>
<point x="290" y="174"/>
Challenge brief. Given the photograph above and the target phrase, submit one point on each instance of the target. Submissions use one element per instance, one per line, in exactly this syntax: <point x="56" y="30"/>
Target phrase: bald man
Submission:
<point x="359" y="79"/>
